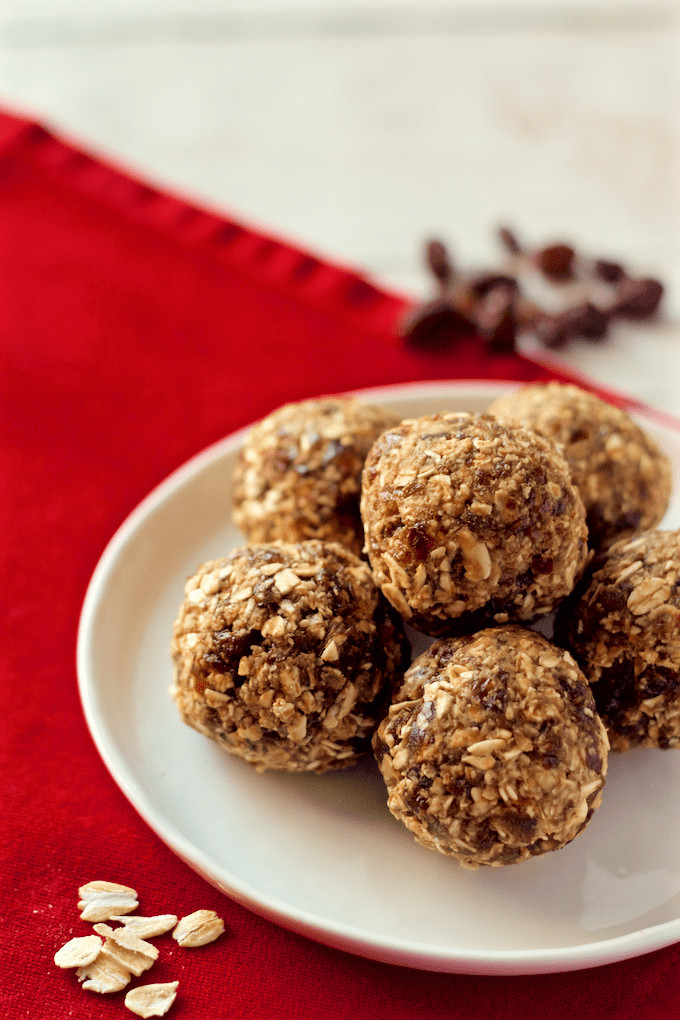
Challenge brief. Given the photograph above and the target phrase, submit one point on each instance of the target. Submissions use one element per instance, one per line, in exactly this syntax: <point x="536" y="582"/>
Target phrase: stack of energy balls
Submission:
<point x="294" y="652"/>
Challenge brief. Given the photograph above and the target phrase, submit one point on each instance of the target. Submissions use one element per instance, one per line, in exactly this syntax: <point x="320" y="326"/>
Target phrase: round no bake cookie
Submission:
<point x="299" y="472"/>
<point x="625" y="632"/>
<point x="492" y="750"/>
<point x="284" y="653"/>
<point x="622" y="476"/>
<point x="463" y="513"/>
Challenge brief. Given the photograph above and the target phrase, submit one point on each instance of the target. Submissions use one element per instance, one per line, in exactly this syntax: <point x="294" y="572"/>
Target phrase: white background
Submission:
<point x="360" y="127"/>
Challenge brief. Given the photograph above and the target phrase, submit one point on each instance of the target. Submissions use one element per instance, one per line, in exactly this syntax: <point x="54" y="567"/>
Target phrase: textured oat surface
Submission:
<point x="463" y="513"/>
<point x="299" y="472"/>
<point x="623" y="477"/>
<point x="625" y="632"/>
<point x="492" y="750"/>
<point x="284" y="653"/>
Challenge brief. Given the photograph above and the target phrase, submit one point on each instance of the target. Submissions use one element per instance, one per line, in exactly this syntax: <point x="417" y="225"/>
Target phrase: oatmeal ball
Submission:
<point x="492" y="750"/>
<point x="299" y="473"/>
<point x="625" y="632"/>
<point x="622" y="476"/>
<point x="284" y="653"/>
<point x="464" y="514"/>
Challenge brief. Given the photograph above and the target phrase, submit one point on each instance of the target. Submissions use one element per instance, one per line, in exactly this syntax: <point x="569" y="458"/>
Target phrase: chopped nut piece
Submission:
<point x="106" y="974"/>
<point x="147" y="927"/>
<point x="99" y="901"/>
<point x="131" y="951"/>
<point x="151" y="1000"/>
<point x="78" y="952"/>
<point x="286" y="580"/>
<point x="198" y="929"/>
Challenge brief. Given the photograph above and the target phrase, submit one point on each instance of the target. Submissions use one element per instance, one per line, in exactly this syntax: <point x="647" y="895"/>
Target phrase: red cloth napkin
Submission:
<point x="135" y="330"/>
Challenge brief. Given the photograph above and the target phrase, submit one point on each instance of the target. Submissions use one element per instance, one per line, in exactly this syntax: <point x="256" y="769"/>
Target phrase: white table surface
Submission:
<point x="360" y="127"/>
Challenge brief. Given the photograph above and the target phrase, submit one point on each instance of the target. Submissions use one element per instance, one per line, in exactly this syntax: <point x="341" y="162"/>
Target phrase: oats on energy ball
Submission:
<point x="284" y="653"/>
<point x="622" y="476"/>
<point x="463" y="513"/>
<point x="299" y="472"/>
<point x="492" y="750"/>
<point x="625" y="632"/>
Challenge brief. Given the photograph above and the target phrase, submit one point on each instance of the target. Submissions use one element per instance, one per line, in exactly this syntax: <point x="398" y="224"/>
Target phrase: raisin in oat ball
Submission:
<point x="299" y="472"/>
<point x="623" y="477"/>
<point x="284" y="653"/>
<point x="625" y="632"/>
<point x="466" y="515"/>
<point x="492" y="750"/>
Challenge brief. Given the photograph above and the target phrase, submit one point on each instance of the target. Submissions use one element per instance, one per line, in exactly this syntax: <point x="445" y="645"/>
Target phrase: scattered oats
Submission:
<point x="78" y="952"/>
<point x="147" y="927"/>
<point x="151" y="1000"/>
<point x="99" y="901"/>
<point x="106" y="974"/>
<point x="132" y="952"/>
<point x="198" y="929"/>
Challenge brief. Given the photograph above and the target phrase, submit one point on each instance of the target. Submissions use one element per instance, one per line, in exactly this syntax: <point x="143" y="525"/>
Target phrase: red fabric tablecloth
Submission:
<point x="135" y="330"/>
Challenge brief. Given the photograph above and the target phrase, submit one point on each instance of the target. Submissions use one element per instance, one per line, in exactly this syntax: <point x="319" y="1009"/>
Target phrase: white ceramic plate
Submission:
<point x="321" y="854"/>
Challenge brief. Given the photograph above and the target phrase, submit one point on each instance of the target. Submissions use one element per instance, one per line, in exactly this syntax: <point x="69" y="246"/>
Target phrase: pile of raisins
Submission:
<point x="492" y="305"/>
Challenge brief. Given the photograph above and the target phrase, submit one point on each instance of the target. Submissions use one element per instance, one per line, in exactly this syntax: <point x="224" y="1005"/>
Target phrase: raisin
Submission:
<point x="231" y="648"/>
<point x="610" y="272"/>
<point x="519" y="825"/>
<point x="556" y="261"/>
<point x="616" y="692"/>
<point x="482" y="283"/>
<point x="551" y="331"/>
<point x="660" y="680"/>
<point x="420" y="541"/>
<point x="438" y="261"/>
<point x="587" y="321"/>
<point x="495" y="319"/>
<point x="435" y="325"/>
<point x="638" y="299"/>
<point x="612" y="600"/>
<point x="509" y="241"/>
<point x="542" y="565"/>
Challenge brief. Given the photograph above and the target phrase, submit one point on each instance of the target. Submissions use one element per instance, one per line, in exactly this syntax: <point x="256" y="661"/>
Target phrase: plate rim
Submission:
<point x="341" y="935"/>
